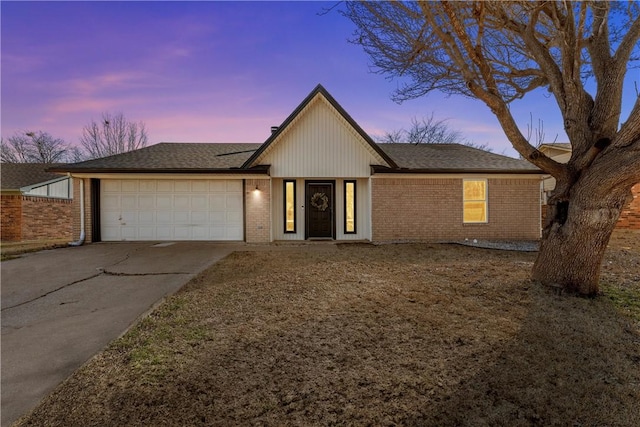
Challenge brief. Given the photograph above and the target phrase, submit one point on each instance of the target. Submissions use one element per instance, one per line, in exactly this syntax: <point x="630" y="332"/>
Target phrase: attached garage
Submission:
<point x="171" y="209"/>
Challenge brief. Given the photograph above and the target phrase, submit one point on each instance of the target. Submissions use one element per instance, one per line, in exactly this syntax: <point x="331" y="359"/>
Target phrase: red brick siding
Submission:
<point x="35" y="218"/>
<point x="630" y="215"/>
<point x="11" y="225"/>
<point x="431" y="209"/>
<point x="257" y="210"/>
<point x="46" y="218"/>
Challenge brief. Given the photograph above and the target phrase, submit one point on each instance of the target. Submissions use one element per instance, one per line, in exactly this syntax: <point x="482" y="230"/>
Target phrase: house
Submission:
<point x="561" y="152"/>
<point x="317" y="176"/>
<point x="36" y="204"/>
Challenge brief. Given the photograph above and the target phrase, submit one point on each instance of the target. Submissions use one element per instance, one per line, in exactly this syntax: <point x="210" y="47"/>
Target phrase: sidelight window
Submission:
<point x="349" y="207"/>
<point x="289" y="206"/>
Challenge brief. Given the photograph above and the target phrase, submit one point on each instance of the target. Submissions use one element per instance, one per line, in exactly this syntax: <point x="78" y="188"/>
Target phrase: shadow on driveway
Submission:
<point x="62" y="306"/>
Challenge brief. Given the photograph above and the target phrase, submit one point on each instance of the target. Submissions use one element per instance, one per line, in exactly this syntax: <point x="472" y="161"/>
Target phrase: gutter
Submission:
<point x="80" y="242"/>
<point x="257" y="170"/>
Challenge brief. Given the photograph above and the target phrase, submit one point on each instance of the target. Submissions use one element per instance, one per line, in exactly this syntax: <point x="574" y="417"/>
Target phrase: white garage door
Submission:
<point x="171" y="209"/>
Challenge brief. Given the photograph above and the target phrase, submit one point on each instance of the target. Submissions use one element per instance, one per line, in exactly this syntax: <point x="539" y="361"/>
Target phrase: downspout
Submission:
<point x="82" y="235"/>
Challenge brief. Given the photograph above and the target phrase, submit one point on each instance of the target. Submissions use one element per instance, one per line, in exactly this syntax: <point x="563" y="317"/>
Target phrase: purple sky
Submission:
<point x="208" y="72"/>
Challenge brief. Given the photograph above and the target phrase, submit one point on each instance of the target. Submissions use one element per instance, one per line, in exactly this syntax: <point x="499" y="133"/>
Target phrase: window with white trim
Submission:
<point x="289" y="206"/>
<point x="474" y="196"/>
<point x="349" y="207"/>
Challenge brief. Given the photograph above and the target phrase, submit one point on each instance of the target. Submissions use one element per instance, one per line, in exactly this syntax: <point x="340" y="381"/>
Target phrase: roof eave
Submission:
<point x="257" y="170"/>
<point x="384" y="170"/>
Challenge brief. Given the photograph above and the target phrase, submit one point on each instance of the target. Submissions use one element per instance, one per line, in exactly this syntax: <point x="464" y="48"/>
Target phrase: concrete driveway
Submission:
<point x="62" y="306"/>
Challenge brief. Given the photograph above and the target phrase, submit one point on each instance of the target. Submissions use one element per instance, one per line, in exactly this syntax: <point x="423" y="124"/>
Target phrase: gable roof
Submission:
<point x="230" y="158"/>
<point x="245" y="158"/>
<point x="319" y="90"/>
<point x="17" y="175"/>
<point x="173" y="158"/>
<point x="450" y="158"/>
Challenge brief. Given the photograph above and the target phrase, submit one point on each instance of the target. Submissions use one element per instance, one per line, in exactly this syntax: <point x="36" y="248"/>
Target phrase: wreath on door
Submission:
<point x="320" y="201"/>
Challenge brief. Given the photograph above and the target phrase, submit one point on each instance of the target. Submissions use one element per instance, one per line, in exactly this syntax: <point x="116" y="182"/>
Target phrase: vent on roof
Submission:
<point x="274" y="129"/>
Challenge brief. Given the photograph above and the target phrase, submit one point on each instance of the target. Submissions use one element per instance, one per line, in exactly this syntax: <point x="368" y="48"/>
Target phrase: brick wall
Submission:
<point x="431" y="209"/>
<point x="46" y="218"/>
<point x="35" y="218"/>
<point x="257" y="210"/>
<point x="11" y="226"/>
<point x="630" y="215"/>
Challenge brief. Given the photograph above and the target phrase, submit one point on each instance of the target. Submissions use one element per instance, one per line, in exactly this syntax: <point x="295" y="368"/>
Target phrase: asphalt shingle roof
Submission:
<point x="17" y="175"/>
<point x="173" y="157"/>
<point x="454" y="157"/>
<point x="185" y="157"/>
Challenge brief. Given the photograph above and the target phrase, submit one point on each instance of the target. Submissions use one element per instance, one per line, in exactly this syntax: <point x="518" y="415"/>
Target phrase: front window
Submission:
<point x="289" y="206"/>
<point x="475" y="200"/>
<point x="349" y="207"/>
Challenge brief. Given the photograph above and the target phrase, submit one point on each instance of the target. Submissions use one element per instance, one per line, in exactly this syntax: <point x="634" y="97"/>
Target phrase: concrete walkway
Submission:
<point x="60" y="307"/>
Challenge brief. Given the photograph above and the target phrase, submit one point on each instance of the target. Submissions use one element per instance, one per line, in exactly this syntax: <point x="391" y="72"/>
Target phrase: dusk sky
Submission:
<point x="210" y="72"/>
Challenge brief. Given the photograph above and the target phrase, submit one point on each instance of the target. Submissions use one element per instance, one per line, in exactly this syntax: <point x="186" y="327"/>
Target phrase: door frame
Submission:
<point x="96" y="235"/>
<point x="332" y="183"/>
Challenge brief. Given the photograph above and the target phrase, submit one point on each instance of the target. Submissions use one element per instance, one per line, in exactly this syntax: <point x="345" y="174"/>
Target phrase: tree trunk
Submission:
<point x="575" y="238"/>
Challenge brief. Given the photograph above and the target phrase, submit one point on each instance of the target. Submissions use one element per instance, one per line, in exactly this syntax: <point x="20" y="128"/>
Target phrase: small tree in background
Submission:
<point x="34" y="147"/>
<point x="427" y="130"/>
<point x="114" y="134"/>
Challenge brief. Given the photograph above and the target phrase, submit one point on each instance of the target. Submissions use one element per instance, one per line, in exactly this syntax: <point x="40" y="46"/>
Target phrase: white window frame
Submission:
<point x="295" y="216"/>
<point x="485" y="200"/>
<point x="355" y="204"/>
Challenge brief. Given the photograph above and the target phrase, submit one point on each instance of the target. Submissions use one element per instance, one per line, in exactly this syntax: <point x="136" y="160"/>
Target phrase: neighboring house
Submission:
<point x="317" y="176"/>
<point x="561" y="152"/>
<point x="36" y="204"/>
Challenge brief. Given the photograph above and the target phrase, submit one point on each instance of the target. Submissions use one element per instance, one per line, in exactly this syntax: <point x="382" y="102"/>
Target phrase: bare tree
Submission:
<point x="114" y="134"/>
<point x="34" y="147"/>
<point x="392" y="137"/>
<point x="501" y="51"/>
<point x="427" y="130"/>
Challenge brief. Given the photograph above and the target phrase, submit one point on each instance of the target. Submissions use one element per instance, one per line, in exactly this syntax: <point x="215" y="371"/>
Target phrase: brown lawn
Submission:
<point x="412" y="334"/>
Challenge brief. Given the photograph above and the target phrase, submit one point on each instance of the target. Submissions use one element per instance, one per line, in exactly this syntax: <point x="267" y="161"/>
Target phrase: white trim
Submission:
<point x="461" y="175"/>
<point x="27" y="188"/>
<point x="207" y="176"/>
<point x="486" y="199"/>
<point x="370" y="209"/>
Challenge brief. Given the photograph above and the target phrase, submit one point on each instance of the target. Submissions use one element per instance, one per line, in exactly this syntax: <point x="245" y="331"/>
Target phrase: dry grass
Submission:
<point x="11" y="250"/>
<point x="412" y="334"/>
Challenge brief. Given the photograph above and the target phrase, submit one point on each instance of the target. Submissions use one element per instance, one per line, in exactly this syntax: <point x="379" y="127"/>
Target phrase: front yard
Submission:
<point x="412" y="334"/>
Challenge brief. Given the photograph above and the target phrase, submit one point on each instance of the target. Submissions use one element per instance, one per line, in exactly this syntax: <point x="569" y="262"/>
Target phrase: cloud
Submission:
<point x="84" y="104"/>
<point x="19" y="64"/>
<point x="193" y="127"/>
<point x="476" y="127"/>
<point x="107" y="82"/>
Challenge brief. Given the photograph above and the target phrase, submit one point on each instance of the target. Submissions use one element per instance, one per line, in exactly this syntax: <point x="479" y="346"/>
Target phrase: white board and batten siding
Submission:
<point x="171" y="209"/>
<point x="320" y="143"/>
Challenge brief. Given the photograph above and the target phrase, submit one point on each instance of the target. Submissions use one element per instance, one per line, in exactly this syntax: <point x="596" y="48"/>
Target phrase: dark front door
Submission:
<point x="320" y="210"/>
